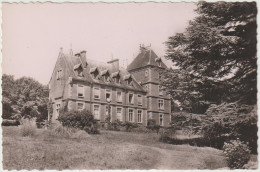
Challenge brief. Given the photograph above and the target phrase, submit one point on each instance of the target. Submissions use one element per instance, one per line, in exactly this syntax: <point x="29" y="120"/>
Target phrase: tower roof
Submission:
<point x="146" y="57"/>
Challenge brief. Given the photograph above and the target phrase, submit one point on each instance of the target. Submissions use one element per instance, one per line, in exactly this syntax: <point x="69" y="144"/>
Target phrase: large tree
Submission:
<point x="24" y="96"/>
<point x="218" y="52"/>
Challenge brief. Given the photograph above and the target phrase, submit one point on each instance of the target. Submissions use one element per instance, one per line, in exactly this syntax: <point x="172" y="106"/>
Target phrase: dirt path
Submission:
<point x="186" y="160"/>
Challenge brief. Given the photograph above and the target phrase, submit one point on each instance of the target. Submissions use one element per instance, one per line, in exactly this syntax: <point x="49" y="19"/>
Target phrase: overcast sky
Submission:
<point x="34" y="33"/>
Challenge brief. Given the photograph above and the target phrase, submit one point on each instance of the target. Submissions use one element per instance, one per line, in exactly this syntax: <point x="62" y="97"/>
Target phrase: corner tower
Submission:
<point x="145" y="68"/>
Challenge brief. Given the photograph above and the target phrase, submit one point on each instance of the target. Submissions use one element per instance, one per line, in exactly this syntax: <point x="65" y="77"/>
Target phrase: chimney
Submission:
<point x="114" y="63"/>
<point x="83" y="58"/>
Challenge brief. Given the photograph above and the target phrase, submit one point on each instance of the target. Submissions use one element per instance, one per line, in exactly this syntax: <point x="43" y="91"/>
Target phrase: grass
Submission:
<point x="108" y="150"/>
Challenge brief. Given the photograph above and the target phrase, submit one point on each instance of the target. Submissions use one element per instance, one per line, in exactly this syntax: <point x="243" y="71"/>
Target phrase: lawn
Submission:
<point x="108" y="150"/>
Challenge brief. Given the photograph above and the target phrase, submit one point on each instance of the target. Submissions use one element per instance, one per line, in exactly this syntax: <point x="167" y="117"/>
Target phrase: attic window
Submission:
<point x="78" y="69"/>
<point x="129" y="80"/>
<point x="105" y="74"/>
<point x="159" y="61"/>
<point x="116" y="77"/>
<point x="59" y="74"/>
<point x="94" y="73"/>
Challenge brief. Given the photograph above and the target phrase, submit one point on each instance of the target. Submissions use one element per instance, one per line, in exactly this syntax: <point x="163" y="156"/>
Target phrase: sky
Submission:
<point x="33" y="33"/>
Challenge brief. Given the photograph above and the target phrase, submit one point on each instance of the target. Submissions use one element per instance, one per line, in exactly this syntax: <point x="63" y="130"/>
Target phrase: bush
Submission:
<point x="237" y="153"/>
<point x="6" y="122"/>
<point x="28" y="127"/>
<point x="151" y="124"/>
<point x="82" y="120"/>
<point x="62" y="131"/>
<point x="167" y="134"/>
<point x="213" y="134"/>
<point x="129" y="126"/>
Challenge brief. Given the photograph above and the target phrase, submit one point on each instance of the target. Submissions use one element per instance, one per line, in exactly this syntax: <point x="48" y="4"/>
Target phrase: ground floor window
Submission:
<point x="139" y="116"/>
<point x="80" y="106"/>
<point x="119" y="114"/>
<point x="96" y="111"/>
<point x="130" y="115"/>
<point x="161" y="119"/>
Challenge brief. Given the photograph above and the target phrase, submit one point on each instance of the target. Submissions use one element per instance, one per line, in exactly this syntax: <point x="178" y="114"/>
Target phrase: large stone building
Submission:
<point x="133" y="94"/>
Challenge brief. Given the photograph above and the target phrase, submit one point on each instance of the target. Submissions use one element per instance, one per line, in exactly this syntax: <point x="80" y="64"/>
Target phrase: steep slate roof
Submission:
<point x="146" y="57"/>
<point x="72" y="61"/>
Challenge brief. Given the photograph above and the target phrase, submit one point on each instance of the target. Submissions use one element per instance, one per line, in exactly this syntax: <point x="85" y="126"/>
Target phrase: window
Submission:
<point x="106" y="78"/>
<point x="139" y="100"/>
<point x="80" y="91"/>
<point x="146" y="73"/>
<point x="96" y="112"/>
<point x="119" y="114"/>
<point x="59" y="74"/>
<point x="130" y="115"/>
<point x="146" y="87"/>
<point x="139" y="116"/>
<point x="161" y="119"/>
<point x="119" y="96"/>
<point x="80" y="106"/>
<point x="57" y="108"/>
<point x="160" y="90"/>
<point x="160" y="104"/>
<point x="108" y="95"/>
<point x="117" y="80"/>
<point x="131" y="98"/>
<point x="160" y="64"/>
<point x="129" y="82"/>
<point x="96" y="93"/>
<point x="107" y="110"/>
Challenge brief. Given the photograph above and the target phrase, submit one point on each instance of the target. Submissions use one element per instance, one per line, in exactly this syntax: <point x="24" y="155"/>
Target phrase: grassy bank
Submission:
<point x="109" y="150"/>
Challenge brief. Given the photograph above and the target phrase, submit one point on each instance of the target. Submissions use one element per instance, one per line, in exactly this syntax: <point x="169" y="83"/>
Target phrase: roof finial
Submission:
<point x="71" y="52"/>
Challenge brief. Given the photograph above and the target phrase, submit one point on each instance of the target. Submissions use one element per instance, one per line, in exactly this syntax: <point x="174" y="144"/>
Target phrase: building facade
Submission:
<point x="133" y="94"/>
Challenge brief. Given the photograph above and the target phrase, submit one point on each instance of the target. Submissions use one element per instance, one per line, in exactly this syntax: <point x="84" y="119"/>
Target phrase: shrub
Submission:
<point x="167" y="134"/>
<point x="82" y="120"/>
<point x="151" y="124"/>
<point x="237" y="153"/>
<point x="28" y="127"/>
<point x="115" y="125"/>
<point x="62" y="131"/>
<point x="129" y="126"/>
<point x="7" y="122"/>
<point x="213" y="134"/>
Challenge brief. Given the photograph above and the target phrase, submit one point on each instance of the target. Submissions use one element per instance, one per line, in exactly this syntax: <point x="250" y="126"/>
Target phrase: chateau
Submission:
<point x="133" y="94"/>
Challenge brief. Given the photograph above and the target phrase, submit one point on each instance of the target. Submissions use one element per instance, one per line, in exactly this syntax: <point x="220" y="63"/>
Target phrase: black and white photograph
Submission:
<point x="129" y="85"/>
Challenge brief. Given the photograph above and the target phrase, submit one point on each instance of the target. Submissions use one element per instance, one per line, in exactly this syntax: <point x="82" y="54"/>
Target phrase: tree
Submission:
<point x="24" y="96"/>
<point x="218" y="53"/>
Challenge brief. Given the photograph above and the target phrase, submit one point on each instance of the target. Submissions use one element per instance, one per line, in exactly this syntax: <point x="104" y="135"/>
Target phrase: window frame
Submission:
<point x="132" y="115"/>
<point x="160" y="119"/>
<point x="96" y="88"/>
<point x="117" y="99"/>
<point x="158" y="102"/>
<point x="160" y="90"/>
<point x="139" y="96"/>
<point x="59" y="74"/>
<point x="96" y="116"/>
<point x="83" y="106"/>
<point x="83" y="91"/>
<point x="131" y="102"/>
<point x="121" y="114"/>
<point x="141" y="116"/>
<point x="146" y="73"/>
<point x="108" y="91"/>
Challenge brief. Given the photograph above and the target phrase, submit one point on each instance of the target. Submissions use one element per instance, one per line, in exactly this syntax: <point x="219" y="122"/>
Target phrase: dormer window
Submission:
<point x="116" y="77"/>
<point x="78" y="69"/>
<point x="59" y="74"/>
<point x="129" y="80"/>
<point x="106" y="76"/>
<point x="159" y="61"/>
<point x="94" y="73"/>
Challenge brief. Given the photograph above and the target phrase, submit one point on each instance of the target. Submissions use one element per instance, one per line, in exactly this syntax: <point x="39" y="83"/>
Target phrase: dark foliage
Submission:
<point x="82" y="120"/>
<point x="6" y="122"/>
<point x="151" y="125"/>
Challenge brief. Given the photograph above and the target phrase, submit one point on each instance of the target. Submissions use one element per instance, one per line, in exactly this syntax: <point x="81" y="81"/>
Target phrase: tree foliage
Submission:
<point x="216" y="55"/>
<point x="24" y="97"/>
